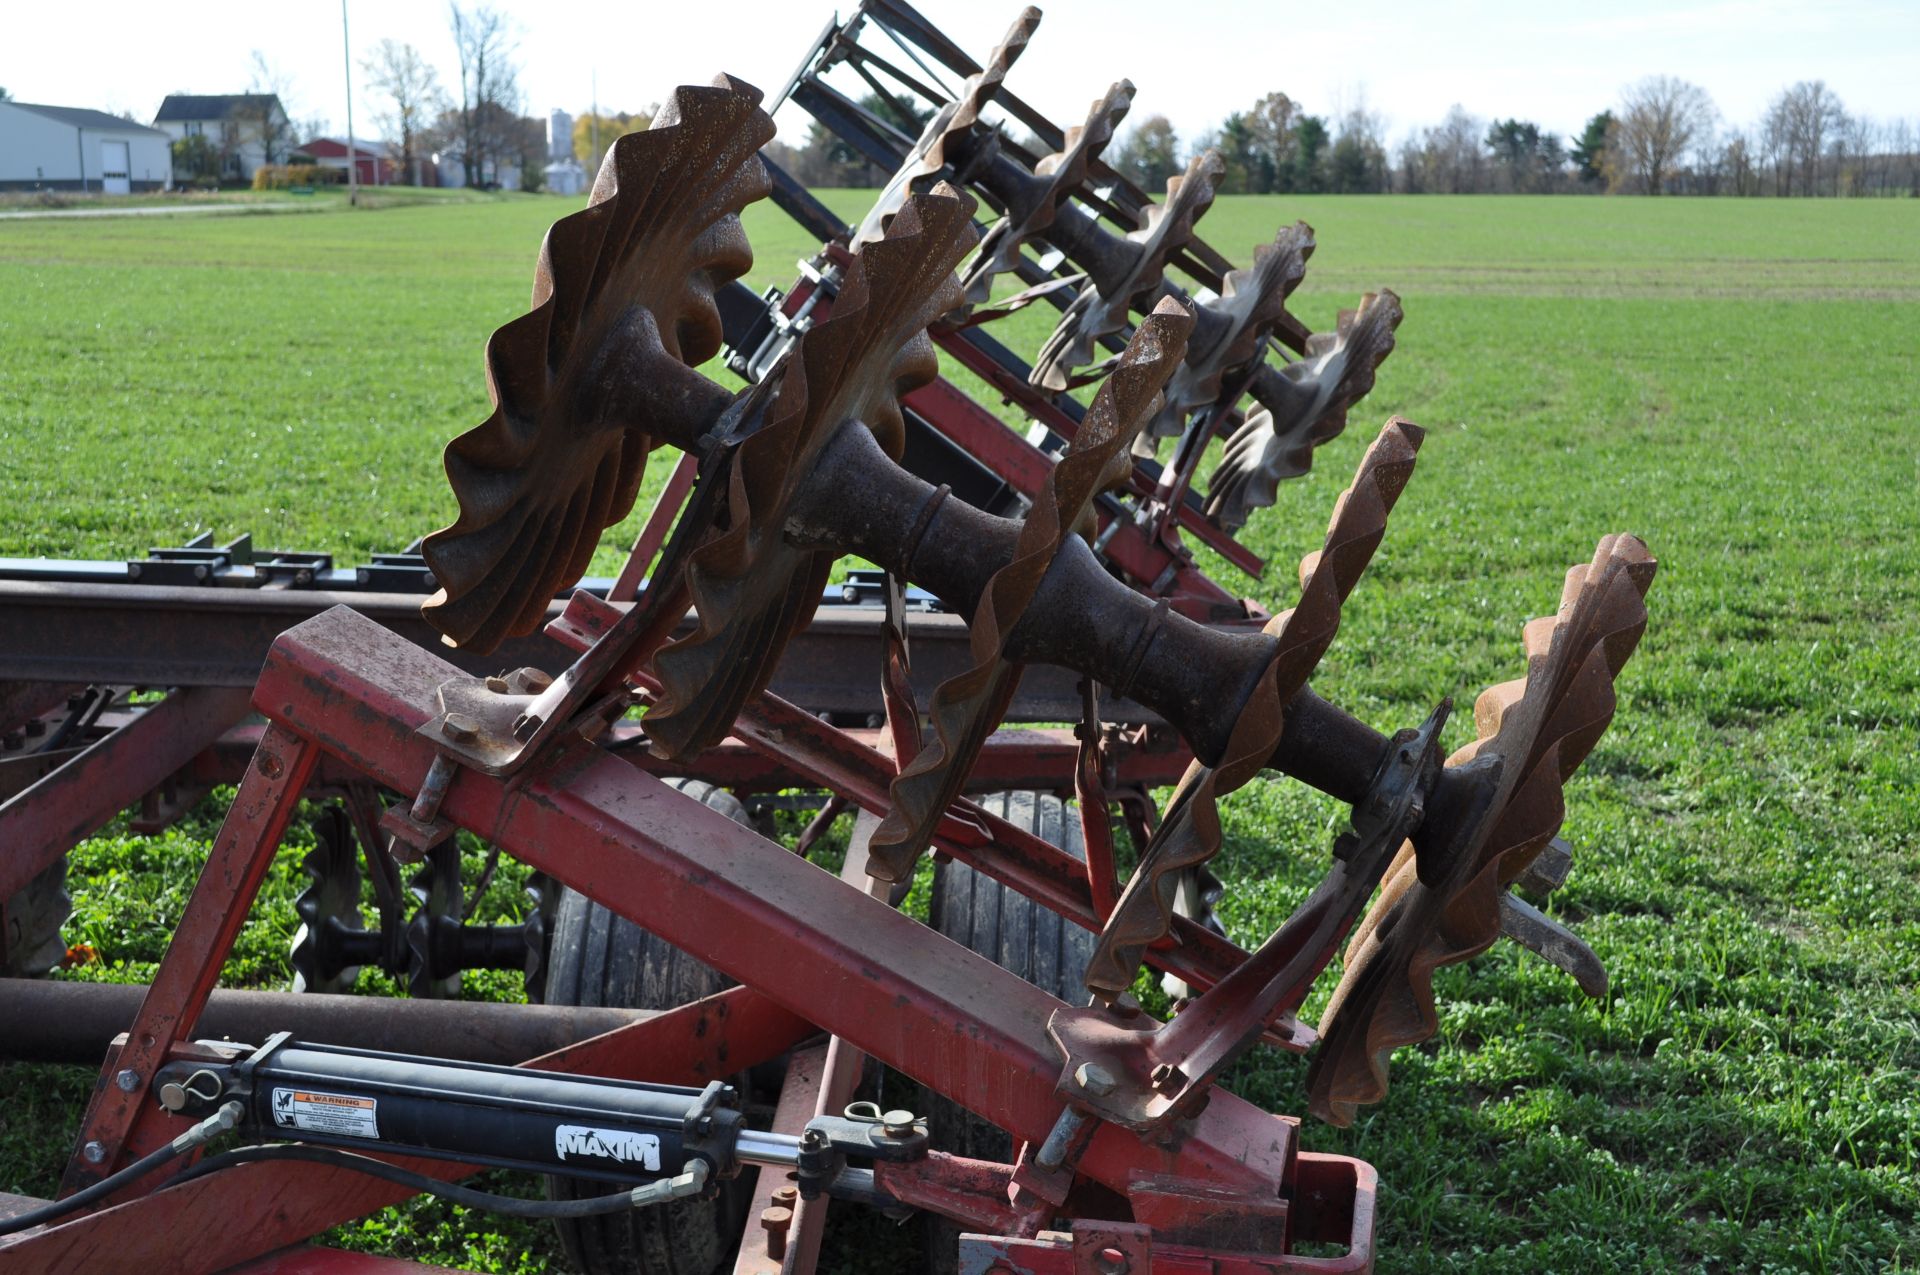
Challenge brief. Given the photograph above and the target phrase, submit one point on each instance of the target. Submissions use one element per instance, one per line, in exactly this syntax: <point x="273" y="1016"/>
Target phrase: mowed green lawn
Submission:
<point x="1733" y="381"/>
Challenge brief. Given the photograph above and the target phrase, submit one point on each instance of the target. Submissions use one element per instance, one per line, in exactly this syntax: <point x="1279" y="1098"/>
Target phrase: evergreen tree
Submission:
<point x="1591" y="145"/>
<point x="1305" y="175"/>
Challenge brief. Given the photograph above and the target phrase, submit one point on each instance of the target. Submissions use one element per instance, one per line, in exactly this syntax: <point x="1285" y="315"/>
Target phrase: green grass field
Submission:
<point x="1733" y="381"/>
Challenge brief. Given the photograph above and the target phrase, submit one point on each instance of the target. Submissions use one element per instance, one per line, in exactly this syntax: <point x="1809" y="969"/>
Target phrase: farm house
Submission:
<point x="74" y="148"/>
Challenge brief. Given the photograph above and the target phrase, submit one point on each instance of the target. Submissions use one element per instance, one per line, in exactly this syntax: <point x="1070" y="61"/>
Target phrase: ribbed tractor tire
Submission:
<point x="599" y="958"/>
<point x="31" y="945"/>
<point x="1020" y="937"/>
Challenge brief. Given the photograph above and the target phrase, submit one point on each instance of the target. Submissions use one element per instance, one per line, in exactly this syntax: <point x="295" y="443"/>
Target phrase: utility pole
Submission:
<point x="353" y="152"/>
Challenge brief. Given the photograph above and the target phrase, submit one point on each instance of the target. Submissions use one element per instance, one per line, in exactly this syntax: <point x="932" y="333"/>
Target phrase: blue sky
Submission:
<point x="1193" y="60"/>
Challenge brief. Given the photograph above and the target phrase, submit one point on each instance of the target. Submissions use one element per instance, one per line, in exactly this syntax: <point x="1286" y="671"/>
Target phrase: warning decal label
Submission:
<point x="337" y="1113"/>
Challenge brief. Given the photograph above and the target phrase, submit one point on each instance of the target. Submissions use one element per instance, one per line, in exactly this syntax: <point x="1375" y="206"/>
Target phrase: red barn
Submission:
<point x="369" y="157"/>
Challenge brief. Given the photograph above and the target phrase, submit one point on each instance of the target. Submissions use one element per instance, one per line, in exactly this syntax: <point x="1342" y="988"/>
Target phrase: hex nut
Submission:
<point x="458" y="726"/>
<point x="127" y="1078"/>
<point x="1095" y="1079"/>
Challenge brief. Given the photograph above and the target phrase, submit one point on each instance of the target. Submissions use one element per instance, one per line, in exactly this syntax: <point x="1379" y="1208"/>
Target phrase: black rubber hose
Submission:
<point x="618" y="1202"/>
<point x="209" y="1128"/>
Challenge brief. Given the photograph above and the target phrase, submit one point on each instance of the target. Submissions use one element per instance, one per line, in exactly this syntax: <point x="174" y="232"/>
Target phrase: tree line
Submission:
<point x="1664" y="136"/>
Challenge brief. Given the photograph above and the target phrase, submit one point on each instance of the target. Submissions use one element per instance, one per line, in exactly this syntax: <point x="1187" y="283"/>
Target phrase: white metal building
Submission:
<point x="72" y="148"/>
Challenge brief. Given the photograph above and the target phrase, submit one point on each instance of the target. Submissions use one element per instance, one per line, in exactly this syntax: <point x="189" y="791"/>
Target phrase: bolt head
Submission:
<point x="269" y="764"/>
<point x="94" y="1152"/>
<point x="534" y="680"/>
<point x="1167" y="1077"/>
<point x="127" y="1078"/>
<point x="460" y="727"/>
<point x="525" y="727"/>
<point x="1095" y="1079"/>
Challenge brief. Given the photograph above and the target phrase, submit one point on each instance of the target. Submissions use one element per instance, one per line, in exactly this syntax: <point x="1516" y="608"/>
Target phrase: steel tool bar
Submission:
<point x="76" y="800"/>
<point x="922" y="1004"/>
<point x="150" y="635"/>
<point x="69" y="1022"/>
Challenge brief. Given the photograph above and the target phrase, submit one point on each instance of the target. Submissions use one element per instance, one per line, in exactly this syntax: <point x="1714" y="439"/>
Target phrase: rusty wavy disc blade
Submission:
<point x="1251" y="301"/>
<point x="956" y="120"/>
<point x="1190" y="833"/>
<point x="1536" y="731"/>
<point x="1303" y="406"/>
<point x="1100" y="310"/>
<point x="968" y="706"/>
<point x="751" y="588"/>
<point x="622" y="311"/>
<point x="1061" y="174"/>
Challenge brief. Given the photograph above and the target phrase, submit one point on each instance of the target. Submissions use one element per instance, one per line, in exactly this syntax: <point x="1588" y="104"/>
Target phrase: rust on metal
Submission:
<point x="751" y="585"/>
<point x="1031" y="210"/>
<point x="1232" y="328"/>
<point x="954" y="122"/>
<point x="623" y="310"/>
<point x="1102" y="306"/>
<point x="1189" y="835"/>
<point x="967" y="708"/>
<point x="1532" y="734"/>
<point x="1301" y="406"/>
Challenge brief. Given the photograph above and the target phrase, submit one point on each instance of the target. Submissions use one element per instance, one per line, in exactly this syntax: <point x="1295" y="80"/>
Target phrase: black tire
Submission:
<point x="31" y="945"/>
<point x="599" y="958"/>
<point x="1020" y="937"/>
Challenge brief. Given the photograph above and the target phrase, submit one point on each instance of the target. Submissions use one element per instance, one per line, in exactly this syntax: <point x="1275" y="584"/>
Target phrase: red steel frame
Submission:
<point x="809" y="949"/>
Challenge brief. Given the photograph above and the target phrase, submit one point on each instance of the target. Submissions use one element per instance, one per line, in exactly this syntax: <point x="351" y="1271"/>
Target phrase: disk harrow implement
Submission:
<point x="822" y="457"/>
<point x="1445" y="906"/>
<point x="1083" y="239"/>
<point x="1032" y="203"/>
<point x="804" y="473"/>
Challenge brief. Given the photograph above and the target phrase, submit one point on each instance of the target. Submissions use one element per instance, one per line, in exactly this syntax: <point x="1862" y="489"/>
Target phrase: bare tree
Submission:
<point x="1455" y="161"/>
<point x="489" y="89"/>
<point x="1901" y="143"/>
<point x="1806" y="116"/>
<point x="1736" y="163"/>
<point x="1707" y="154"/>
<point x="411" y="90"/>
<point x="1412" y="172"/>
<point x="267" y="116"/>
<point x="1658" y="119"/>
<point x="1851" y="143"/>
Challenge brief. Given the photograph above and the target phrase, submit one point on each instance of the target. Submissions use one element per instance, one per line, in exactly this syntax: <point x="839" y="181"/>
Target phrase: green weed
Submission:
<point x="1733" y="381"/>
